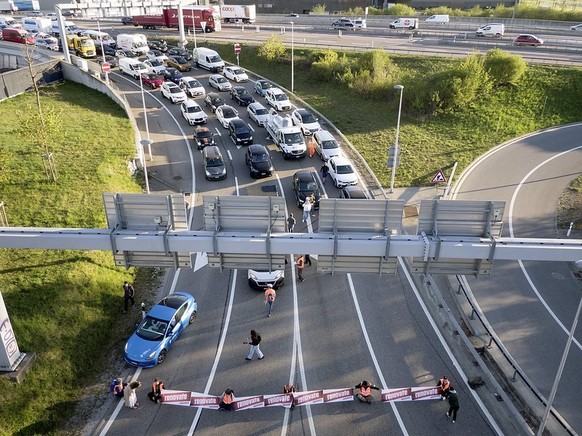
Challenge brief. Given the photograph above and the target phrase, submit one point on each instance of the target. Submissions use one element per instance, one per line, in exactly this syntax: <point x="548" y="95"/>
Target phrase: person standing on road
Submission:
<point x="445" y="386"/>
<point x="324" y="172"/>
<point x="311" y="147"/>
<point x="453" y="404"/>
<point x="300" y="264"/>
<point x="254" y="341"/>
<point x="307" y="206"/>
<point x="307" y="259"/>
<point x="365" y="391"/>
<point x="128" y="295"/>
<point x="270" y="296"/>
<point x="130" y="396"/>
<point x="291" y="223"/>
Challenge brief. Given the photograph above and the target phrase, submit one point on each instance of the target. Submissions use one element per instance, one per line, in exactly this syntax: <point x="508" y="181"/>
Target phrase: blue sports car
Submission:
<point x="160" y="328"/>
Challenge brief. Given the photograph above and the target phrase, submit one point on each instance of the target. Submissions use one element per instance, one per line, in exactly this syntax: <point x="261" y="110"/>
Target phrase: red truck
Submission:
<point x="169" y="18"/>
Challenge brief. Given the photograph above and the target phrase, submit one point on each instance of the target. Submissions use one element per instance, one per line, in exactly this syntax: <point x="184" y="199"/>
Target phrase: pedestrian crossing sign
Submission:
<point x="439" y="177"/>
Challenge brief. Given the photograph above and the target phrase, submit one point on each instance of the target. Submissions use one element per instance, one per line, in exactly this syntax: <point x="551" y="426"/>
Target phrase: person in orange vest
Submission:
<point x="300" y="263"/>
<point x="445" y="386"/>
<point x="270" y="296"/>
<point x="227" y="400"/>
<point x="156" y="394"/>
<point x="311" y="147"/>
<point x="365" y="391"/>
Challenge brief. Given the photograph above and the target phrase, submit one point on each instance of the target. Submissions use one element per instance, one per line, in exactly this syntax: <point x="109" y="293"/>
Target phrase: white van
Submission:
<point x="404" y="23"/>
<point x="495" y="30"/>
<point x="9" y="22"/>
<point x="70" y="27"/>
<point x="207" y="59"/>
<point x="136" y="42"/>
<point x="99" y="37"/>
<point x="438" y="19"/>
<point x="37" y="25"/>
<point x="132" y="67"/>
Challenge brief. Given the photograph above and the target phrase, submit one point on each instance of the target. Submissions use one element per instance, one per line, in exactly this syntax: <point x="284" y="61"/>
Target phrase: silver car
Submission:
<point x="258" y="113"/>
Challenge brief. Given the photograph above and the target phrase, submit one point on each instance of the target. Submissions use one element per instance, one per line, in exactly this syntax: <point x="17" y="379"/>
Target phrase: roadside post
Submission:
<point x="237" y="52"/>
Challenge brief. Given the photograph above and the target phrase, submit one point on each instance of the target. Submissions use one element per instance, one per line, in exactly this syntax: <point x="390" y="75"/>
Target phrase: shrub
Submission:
<point x="330" y="66"/>
<point x="319" y="9"/>
<point x="272" y="49"/>
<point x="504" y="68"/>
<point x="400" y="10"/>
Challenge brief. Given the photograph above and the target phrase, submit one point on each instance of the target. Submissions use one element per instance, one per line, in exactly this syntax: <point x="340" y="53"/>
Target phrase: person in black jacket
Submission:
<point x="365" y="391"/>
<point x="254" y="341"/>
<point x="453" y="404"/>
<point x="128" y="295"/>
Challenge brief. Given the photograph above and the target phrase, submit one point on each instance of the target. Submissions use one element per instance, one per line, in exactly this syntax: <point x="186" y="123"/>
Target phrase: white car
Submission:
<point x="173" y="92"/>
<point x="219" y="82"/>
<point x="305" y="119"/>
<point x="191" y="86"/>
<point x="155" y="66"/>
<point x="225" y="114"/>
<point x="156" y="54"/>
<point x="235" y="73"/>
<point x="193" y="113"/>
<point x="258" y="113"/>
<point x="577" y="27"/>
<point x="326" y="145"/>
<point x="278" y="99"/>
<point x="360" y="23"/>
<point x="49" y="43"/>
<point x="342" y="172"/>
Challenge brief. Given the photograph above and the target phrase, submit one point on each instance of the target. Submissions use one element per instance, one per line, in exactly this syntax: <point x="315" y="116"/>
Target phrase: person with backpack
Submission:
<point x="128" y="295"/>
<point x="254" y="341"/>
<point x="270" y="296"/>
<point x="156" y="394"/>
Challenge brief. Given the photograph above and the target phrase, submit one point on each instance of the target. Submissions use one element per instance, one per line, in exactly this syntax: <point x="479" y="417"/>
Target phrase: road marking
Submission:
<point x="446" y="347"/>
<point x="511" y="234"/>
<point x="297" y="353"/>
<point x="372" y="354"/>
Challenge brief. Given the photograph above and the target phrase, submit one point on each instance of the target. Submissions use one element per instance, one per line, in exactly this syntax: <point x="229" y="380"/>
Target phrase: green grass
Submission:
<point x="62" y="304"/>
<point x="547" y="96"/>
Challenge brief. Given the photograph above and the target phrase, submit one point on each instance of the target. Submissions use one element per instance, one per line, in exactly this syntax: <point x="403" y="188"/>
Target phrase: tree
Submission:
<point x="504" y="68"/>
<point x="319" y="9"/>
<point x="272" y="49"/>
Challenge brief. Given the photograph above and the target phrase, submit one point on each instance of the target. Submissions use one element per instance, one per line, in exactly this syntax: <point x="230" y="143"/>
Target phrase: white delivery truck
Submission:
<point x="8" y="6"/>
<point x="404" y="23"/>
<point x="438" y="19"/>
<point x="9" y="22"/>
<point x="494" y="30"/>
<point x="37" y="25"/>
<point x="132" y="67"/>
<point x="100" y="37"/>
<point x="70" y="27"/>
<point x="238" y="13"/>
<point x="207" y="59"/>
<point x="136" y="42"/>
<point x="287" y="137"/>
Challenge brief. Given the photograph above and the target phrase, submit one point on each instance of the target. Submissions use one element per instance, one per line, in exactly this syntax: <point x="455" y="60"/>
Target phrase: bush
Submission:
<point x="319" y="9"/>
<point x="272" y="49"/>
<point x="330" y="66"/>
<point x="504" y="68"/>
<point x="400" y="10"/>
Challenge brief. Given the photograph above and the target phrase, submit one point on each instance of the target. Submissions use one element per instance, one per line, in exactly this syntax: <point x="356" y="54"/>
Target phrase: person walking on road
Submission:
<point x="324" y="172"/>
<point x="270" y="296"/>
<point x="300" y="264"/>
<point x="128" y="295"/>
<point x="291" y="223"/>
<point x="307" y="259"/>
<point x="365" y="391"/>
<point x="227" y="400"/>
<point x="445" y="386"/>
<point x="311" y="147"/>
<point x="254" y="341"/>
<point x="453" y="404"/>
<point x="307" y="206"/>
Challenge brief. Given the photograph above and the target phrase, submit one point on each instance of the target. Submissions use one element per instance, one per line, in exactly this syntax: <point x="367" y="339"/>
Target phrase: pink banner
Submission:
<point x="308" y="397"/>
<point x="338" y="395"/>
<point x="204" y="401"/>
<point x="244" y="403"/>
<point x="400" y="394"/>
<point x="285" y="400"/>
<point x="433" y="393"/>
<point x="179" y="398"/>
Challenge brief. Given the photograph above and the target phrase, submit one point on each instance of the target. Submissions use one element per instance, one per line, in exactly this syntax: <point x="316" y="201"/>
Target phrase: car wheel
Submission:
<point x="162" y="356"/>
<point x="192" y="318"/>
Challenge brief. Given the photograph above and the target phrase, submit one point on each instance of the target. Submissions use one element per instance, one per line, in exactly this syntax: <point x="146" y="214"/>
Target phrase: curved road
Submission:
<point x="531" y="305"/>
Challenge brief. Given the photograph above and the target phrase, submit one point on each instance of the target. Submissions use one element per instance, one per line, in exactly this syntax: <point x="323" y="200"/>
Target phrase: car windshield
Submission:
<point x="262" y="111"/>
<point x="204" y="134"/>
<point x="214" y="58"/>
<point x="193" y="84"/>
<point x="217" y="101"/>
<point x="344" y="169"/>
<point x="214" y="162"/>
<point x="228" y="113"/>
<point x="293" y="138"/>
<point x="265" y="85"/>
<point x="307" y="186"/>
<point x="281" y="97"/>
<point x="242" y="130"/>
<point x="156" y="63"/>
<point x="262" y="157"/>
<point x="152" y="329"/>
<point x="181" y="60"/>
<point x="192" y="109"/>
<point x="244" y="93"/>
<point x="221" y="80"/>
<point x="327" y="145"/>
<point x="175" y="90"/>
<point x="237" y="71"/>
<point x="308" y="118"/>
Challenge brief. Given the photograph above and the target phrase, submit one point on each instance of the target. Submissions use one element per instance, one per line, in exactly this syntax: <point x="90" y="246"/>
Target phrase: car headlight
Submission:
<point x="126" y="346"/>
<point x="253" y="276"/>
<point x="223" y="172"/>
<point x="151" y="355"/>
<point x="280" y="275"/>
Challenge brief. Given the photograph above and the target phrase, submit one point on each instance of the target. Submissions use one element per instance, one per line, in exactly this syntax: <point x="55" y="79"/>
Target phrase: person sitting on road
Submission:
<point x="227" y="400"/>
<point x="365" y="391"/>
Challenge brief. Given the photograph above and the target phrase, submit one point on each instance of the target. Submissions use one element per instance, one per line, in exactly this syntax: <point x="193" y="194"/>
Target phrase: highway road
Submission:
<point x="327" y="332"/>
<point x="531" y="305"/>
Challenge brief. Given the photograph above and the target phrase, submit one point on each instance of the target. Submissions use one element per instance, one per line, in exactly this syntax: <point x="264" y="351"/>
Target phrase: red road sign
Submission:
<point x="237" y="48"/>
<point x="439" y="177"/>
<point x="105" y="67"/>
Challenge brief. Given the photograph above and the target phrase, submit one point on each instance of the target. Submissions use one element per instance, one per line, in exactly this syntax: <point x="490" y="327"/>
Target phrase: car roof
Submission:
<point x="257" y="105"/>
<point x="200" y="129"/>
<point x="276" y="91"/>
<point x="257" y="148"/>
<point x="189" y="102"/>
<point x="304" y="175"/>
<point x="355" y="191"/>
<point x="239" y="88"/>
<point x="340" y="160"/>
<point x="324" y="135"/>
<point x="238" y="122"/>
<point x="302" y="111"/>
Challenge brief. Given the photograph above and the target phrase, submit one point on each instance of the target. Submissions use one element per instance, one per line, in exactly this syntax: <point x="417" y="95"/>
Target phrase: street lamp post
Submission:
<point x="396" y="150"/>
<point x="292" y="58"/>
<point x="146" y="141"/>
<point x="102" y="51"/>
<point x="194" y="29"/>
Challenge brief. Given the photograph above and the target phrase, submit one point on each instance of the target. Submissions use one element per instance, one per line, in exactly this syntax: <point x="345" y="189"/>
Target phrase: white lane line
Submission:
<point x="229" y="155"/>
<point x="372" y="354"/>
<point x="218" y="352"/>
<point x="297" y="353"/>
<point x="511" y="233"/>
<point x="441" y="339"/>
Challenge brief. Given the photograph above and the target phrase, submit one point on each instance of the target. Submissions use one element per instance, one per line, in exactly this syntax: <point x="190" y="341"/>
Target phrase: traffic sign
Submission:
<point x="105" y="67"/>
<point x="237" y="48"/>
<point x="439" y="177"/>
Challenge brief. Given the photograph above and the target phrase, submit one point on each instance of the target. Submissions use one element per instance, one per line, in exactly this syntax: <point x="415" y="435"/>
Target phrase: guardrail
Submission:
<point x="463" y="289"/>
